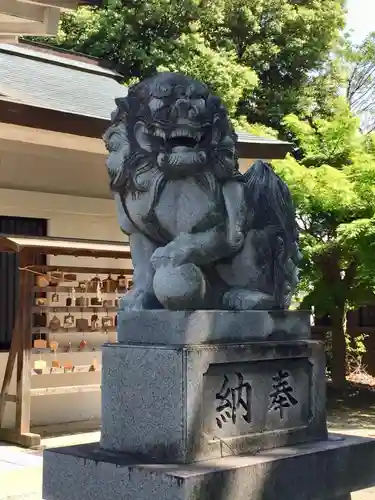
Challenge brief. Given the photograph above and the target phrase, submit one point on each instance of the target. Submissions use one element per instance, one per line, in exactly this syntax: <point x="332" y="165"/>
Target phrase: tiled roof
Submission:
<point x="57" y="83"/>
<point x="245" y="137"/>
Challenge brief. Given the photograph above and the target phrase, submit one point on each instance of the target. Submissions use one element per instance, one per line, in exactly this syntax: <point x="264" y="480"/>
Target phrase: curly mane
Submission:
<point x="272" y="215"/>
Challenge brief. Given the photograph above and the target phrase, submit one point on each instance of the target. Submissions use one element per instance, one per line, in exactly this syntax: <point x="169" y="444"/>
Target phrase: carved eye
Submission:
<point x="197" y="107"/>
<point x="193" y="112"/>
<point x="162" y="90"/>
<point x="155" y="104"/>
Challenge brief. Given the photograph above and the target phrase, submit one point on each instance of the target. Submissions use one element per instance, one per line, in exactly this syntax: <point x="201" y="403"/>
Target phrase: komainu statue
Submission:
<point x="202" y="235"/>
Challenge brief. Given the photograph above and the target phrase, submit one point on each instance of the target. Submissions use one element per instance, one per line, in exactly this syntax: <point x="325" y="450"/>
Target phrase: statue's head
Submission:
<point x="171" y="123"/>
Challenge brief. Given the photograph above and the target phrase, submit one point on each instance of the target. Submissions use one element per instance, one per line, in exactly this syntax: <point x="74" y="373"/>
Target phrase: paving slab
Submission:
<point x="23" y="479"/>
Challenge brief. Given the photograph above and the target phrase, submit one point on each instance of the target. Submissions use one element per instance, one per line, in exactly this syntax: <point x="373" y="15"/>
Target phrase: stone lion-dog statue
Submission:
<point x="202" y="234"/>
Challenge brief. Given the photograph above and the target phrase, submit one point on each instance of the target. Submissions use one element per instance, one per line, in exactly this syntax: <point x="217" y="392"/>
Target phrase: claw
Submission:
<point x="138" y="300"/>
<point x="247" y="300"/>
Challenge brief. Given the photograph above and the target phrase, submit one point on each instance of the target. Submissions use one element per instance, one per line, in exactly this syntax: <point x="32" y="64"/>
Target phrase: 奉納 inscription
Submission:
<point x="241" y="399"/>
<point x="233" y="401"/>
<point x="282" y="394"/>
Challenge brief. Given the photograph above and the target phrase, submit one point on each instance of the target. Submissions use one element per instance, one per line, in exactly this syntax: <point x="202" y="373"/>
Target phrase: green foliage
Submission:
<point x="333" y="186"/>
<point x="241" y="123"/>
<point x="355" y="350"/>
<point x="333" y="141"/>
<point x="136" y="35"/>
<point x="194" y="57"/>
<point x="286" y="43"/>
<point x="231" y="44"/>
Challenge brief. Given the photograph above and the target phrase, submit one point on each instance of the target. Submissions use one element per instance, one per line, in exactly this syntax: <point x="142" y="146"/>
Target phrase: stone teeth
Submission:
<point x="160" y="133"/>
<point x="186" y="133"/>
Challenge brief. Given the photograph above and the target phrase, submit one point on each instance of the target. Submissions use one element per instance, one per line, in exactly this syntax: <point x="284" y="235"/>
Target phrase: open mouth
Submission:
<point x="183" y="138"/>
<point x="187" y="142"/>
<point x="179" y="139"/>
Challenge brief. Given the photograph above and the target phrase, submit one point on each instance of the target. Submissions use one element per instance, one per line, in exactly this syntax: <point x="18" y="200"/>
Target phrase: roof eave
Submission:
<point x="63" y="246"/>
<point x="273" y="150"/>
<point x="90" y="65"/>
<point x="27" y="115"/>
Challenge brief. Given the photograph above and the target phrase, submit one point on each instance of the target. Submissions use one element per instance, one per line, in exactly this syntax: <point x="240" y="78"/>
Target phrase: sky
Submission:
<point x="361" y="18"/>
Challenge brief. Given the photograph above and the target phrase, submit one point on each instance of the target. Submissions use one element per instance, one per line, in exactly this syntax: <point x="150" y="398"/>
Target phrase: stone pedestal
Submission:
<point x="236" y="401"/>
<point x="324" y="470"/>
<point x="190" y="403"/>
<point x="196" y="395"/>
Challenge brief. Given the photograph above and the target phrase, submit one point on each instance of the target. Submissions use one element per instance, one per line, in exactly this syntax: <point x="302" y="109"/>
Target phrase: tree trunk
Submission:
<point x="338" y="286"/>
<point x="338" y="316"/>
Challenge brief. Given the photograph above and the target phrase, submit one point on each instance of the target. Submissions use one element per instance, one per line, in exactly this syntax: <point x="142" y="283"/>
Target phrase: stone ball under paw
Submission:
<point x="180" y="288"/>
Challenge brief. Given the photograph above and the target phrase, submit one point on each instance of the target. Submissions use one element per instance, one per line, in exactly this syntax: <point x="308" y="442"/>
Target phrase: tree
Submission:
<point x="285" y="42"/>
<point x="333" y="188"/>
<point x="361" y="84"/>
<point x="136" y="35"/>
<point x="219" y="68"/>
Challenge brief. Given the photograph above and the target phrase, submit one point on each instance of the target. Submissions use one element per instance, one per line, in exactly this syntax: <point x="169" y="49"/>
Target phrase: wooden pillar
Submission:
<point x="14" y="349"/>
<point x="21" y="345"/>
<point x="23" y="403"/>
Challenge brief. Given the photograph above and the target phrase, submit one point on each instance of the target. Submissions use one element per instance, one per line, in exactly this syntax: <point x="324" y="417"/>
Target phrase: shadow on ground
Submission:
<point x="352" y="408"/>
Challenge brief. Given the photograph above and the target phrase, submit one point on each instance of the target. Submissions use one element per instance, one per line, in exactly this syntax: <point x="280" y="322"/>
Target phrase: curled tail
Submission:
<point x="272" y="216"/>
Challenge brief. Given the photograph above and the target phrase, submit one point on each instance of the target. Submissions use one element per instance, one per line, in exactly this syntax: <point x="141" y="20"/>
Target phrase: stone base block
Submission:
<point x="185" y="404"/>
<point x="319" y="471"/>
<point x="211" y="327"/>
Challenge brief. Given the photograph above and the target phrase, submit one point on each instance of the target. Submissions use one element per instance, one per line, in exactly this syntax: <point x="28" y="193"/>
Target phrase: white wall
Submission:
<point x="68" y="217"/>
<point x="59" y="408"/>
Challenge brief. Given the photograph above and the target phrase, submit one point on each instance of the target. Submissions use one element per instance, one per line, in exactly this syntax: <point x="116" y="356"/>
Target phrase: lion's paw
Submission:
<point x="239" y="299"/>
<point x="171" y="255"/>
<point x="138" y="300"/>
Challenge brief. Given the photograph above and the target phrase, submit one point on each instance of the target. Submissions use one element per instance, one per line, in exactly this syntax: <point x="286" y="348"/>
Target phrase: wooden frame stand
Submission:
<point x="19" y="356"/>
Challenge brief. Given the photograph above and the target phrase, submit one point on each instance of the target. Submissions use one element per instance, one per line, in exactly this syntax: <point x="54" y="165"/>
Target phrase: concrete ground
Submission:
<point x="357" y="423"/>
<point x="21" y="470"/>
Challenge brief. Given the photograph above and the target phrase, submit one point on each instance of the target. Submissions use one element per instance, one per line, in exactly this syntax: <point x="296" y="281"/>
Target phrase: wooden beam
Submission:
<point x="30" y="28"/>
<point x="83" y="270"/>
<point x="71" y="389"/>
<point x="63" y="246"/>
<point x="61" y="4"/>
<point x="21" y="28"/>
<point x="8" y="38"/>
<point x="29" y="11"/>
<point x="28" y="115"/>
<point x="14" y="353"/>
<point x="14" y="349"/>
<point x="45" y="23"/>
<point x="268" y="151"/>
<point x="20" y="349"/>
<point x="23" y="404"/>
<point x="11" y="398"/>
<point x="51" y="20"/>
<point x="27" y="440"/>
